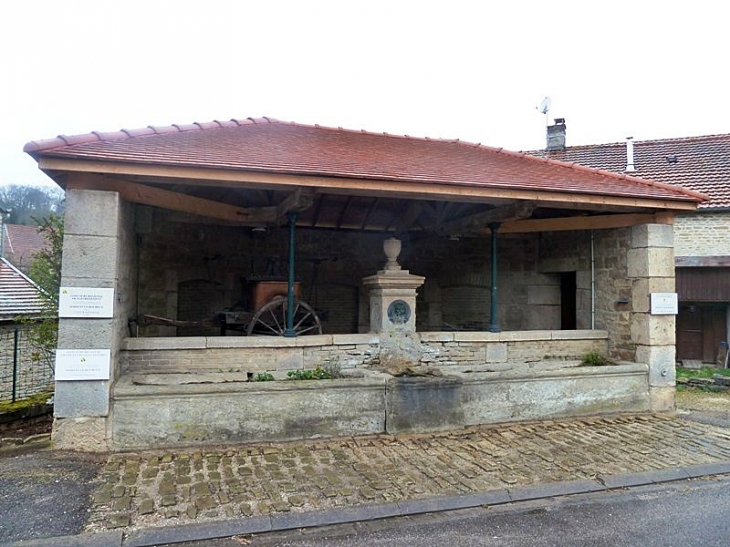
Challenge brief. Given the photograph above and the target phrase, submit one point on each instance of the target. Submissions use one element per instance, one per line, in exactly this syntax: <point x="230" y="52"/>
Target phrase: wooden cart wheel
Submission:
<point x="270" y="319"/>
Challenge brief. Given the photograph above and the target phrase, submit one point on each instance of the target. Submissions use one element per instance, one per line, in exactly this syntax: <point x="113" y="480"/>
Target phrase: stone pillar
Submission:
<point x="393" y="308"/>
<point x="651" y="270"/>
<point x="393" y="294"/>
<point x="98" y="251"/>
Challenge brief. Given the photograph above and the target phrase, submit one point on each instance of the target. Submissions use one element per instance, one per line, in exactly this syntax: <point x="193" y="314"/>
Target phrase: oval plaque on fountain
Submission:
<point x="399" y="312"/>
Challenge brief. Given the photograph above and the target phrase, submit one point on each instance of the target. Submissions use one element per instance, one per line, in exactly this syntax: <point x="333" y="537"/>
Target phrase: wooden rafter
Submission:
<point x="370" y="213"/>
<point x="343" y="213"/>
<point x="317" y="210"/>
<point x="408" y="219"/>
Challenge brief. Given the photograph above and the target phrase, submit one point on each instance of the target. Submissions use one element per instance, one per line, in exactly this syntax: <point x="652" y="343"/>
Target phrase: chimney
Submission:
<point x="630" y="154"/>
<point x="556" y="135"/>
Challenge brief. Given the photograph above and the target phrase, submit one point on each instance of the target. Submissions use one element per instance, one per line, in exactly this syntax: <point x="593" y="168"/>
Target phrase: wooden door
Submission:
<point x="700" y="329"/>
<point x="689" y="332"/>
<point x="714" y="331"/>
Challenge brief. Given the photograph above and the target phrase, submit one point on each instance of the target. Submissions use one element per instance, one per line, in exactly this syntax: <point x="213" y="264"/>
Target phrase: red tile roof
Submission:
<point x="21" y="243"/>
<point x="271" y="146"/>
<point x="18" y="294"/>
<point x="702" y="163"/>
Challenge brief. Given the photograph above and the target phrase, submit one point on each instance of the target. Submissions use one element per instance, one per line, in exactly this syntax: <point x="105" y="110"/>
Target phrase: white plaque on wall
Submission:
<point x="664" y="303"/>
<point x="83" y="364"/>
<point x="87" y="302"/>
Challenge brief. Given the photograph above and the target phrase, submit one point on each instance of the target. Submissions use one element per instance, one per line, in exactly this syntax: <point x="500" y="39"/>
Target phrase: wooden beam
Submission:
<point x="299" y="200"/>
<point x="370" y="212"/>
<point x="597" y="222"/>
<point x="407" y="220"/>
<point x="344" y="211"/>
<point x="702" y="261"/>
<point x="175" y="201"/>
<point x="370" y="187"/>
<point x="478" y="221"/>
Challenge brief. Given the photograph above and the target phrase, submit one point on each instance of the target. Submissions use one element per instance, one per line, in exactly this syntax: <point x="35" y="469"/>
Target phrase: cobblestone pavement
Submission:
<point x="137" y="490"/>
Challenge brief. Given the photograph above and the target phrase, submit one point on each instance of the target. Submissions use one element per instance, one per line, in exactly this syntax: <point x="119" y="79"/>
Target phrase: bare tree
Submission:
<point x="25" y="204"/>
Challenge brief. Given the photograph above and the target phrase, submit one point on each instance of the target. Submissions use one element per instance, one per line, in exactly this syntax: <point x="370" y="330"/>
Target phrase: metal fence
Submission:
<point x="24" y="370"/>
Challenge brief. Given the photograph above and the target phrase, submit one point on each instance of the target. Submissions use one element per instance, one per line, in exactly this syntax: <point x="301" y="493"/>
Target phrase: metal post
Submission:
<point x="15" y="363"/>
<point x="289" y="331"/>
<point x="493" y="326"/>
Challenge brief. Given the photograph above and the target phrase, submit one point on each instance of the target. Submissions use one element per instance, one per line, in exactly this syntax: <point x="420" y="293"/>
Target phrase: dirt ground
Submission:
<point x="26" y="428"/>
<point x="695" y="399"/>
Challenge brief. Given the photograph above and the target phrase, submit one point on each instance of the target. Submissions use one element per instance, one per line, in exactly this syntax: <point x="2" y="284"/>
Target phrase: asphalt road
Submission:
<point x="682" y="514"/>
<point x="44" y="494"/>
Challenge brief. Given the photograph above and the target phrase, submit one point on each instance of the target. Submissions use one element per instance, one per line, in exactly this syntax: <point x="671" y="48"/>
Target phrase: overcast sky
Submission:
<point x="474" y="70"/>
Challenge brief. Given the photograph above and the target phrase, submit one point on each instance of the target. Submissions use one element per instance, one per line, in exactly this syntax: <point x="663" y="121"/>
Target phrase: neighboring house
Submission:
<point x="21" y="243"/>
<point x="701" y="238"/>
<point x="18" y="294"/>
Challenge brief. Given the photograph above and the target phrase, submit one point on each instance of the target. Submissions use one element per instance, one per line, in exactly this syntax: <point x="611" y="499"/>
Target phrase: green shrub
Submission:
<point x="595" y="359"/>
<point x="264" y="377"/>
<point x="317" y="373"/>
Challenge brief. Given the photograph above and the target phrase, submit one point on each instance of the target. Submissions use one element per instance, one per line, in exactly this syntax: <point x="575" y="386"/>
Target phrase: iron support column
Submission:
<point x="493" y="326"/>
<point x="289" y="331"/>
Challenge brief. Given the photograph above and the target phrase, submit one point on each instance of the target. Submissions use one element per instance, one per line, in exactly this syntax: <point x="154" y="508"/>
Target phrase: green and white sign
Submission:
<point x="83" y="364"/>
<point x="86" y="302"/>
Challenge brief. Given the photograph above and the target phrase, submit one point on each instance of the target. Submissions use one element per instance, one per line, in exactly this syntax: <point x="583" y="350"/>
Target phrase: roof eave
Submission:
<point x="53" y="166"/>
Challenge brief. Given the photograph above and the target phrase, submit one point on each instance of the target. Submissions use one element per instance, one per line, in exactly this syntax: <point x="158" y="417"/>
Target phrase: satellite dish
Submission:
<point x="545" y="105"/>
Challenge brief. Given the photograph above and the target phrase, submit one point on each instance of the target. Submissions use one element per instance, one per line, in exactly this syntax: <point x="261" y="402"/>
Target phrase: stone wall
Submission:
<point x="702" y="234"/>
<point x="177" y="254"/>
<point x="249" y="355"/>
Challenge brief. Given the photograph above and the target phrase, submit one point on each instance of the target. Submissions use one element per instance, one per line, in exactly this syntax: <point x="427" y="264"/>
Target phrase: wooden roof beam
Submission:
<point x="296" y="202"/>
<point x="407" y="220"/>
<point x="175" y="201"/>
<point x="476" y="222"/>
<point x="597" y="222"/>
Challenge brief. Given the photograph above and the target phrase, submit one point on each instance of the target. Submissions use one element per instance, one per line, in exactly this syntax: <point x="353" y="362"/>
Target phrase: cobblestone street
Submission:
<point x="174" y="487"/>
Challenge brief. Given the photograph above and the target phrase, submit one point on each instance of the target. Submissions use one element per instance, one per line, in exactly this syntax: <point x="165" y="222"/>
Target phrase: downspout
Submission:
<point x="593" y="284"/>
<point x="289" y="330"/>
<point x="493" y="326"/>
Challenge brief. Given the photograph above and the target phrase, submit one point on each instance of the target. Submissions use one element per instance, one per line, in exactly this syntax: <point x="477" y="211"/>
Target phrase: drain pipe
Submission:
<point x="593" y="284"/>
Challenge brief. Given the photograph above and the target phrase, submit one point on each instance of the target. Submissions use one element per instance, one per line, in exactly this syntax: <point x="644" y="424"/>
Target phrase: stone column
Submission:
<point x="98" y="251"/>
<point x="651" y="270"/>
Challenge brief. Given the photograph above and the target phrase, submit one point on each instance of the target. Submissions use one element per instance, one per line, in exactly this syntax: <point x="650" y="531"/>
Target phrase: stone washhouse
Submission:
<point x="198" y="258"/>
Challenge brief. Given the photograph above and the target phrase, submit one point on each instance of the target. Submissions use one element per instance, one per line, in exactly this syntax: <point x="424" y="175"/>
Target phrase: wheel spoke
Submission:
<point x="304" y="317"/>
<point x="312" y="327"/>
<point x="276" y="321"/>
<point x="265" y="324"/>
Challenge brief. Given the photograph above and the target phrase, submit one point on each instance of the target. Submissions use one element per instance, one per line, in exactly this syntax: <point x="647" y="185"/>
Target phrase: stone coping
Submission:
<point x="232" y="342"/>
<point x="373" y="379"/>
<point x="126" y="388"/>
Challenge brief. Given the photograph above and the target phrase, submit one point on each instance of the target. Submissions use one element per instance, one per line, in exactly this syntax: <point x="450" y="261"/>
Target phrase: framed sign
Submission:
<point x="88" y="302"/>
<point x="664" y="303"/>
<point x="83" y="364"/>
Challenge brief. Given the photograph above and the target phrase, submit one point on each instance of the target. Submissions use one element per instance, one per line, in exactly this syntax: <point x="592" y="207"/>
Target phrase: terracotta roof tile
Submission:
<point x="701" y="163"/>
<point x="18" y="294"/>
<point x="21" y="243"/>
<point x="268" y="145"/>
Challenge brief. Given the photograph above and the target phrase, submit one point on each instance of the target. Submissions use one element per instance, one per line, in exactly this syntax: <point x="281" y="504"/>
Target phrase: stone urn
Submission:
<point x="391" y="248"/>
